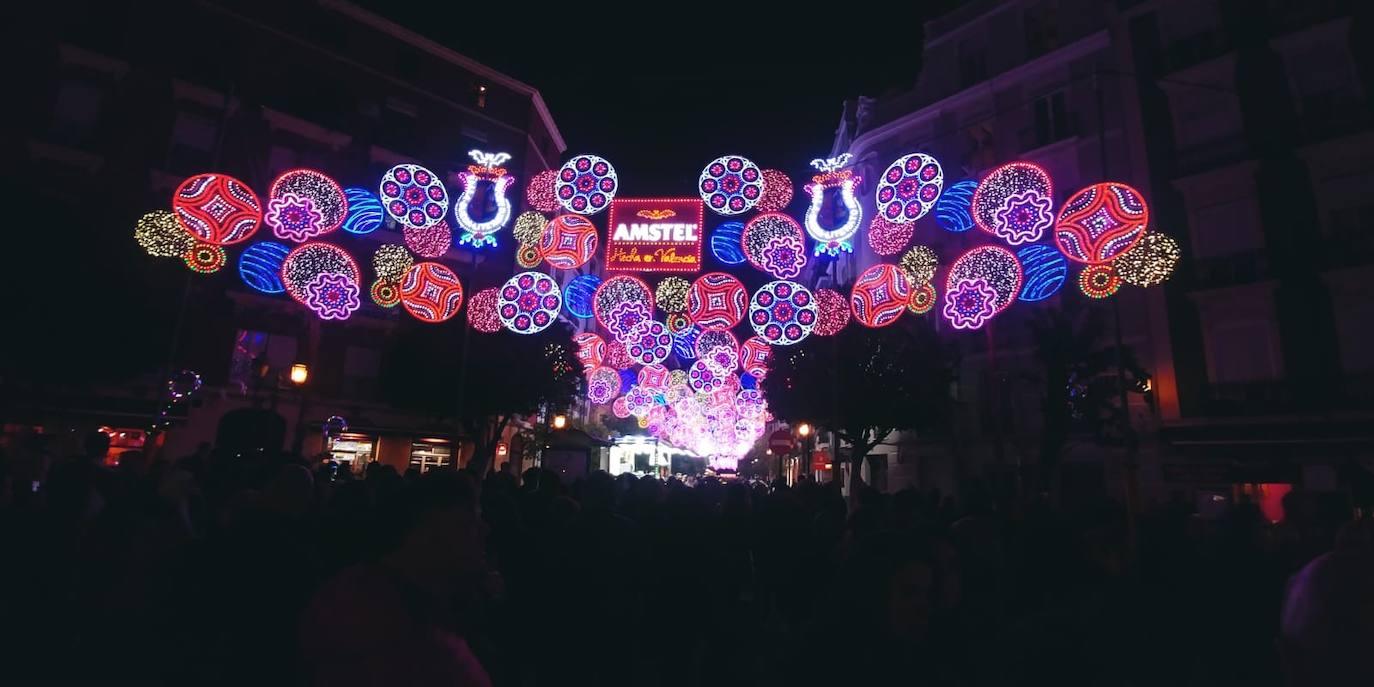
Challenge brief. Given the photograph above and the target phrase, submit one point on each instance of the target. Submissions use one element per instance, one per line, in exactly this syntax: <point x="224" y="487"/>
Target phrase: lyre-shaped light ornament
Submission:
<point x="833" y="175"/>
<point x="488" y="168"/>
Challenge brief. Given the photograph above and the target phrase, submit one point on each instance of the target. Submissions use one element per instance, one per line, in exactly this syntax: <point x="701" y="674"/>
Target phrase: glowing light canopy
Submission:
<point x="671" y="294"/>
<point x="920" y="264"/>
<point x="413" y="196"/>
<point x="773" y="243"/>
<point x="954" y="209"/>
<point x="260" y="266"/>
<point x="725" y="243"/>
<point x="617" y="290"/>
<point x="529" y="226"/>
<point x="970" y="303"/>
<point x="783" y="312"/>
<point x="880" y="295"/>
<point x="482" y="311"/>
<point x="539" y="192"/>
<point x="1150" y="262"/>
<point x="586" y="184"/>
<point x="529" y="302"/>
<point x="1014" y="202"/>
<point x="1045" y="272"/>
<point x="160" y="235"/>
<point x="217" y="209"/>
<point x="306" y="261"/>
<point x="777" y="191"/>
<point x="730" y="185"/>
<point x="716" y="300"/>
<point x="431" y="292"/>
<point x="479" y="232"/>
<point x="332" y="296"/>
<point x="305" y="203"/>
<point x="909" y="188"/>
<point x="833" y="240"/>
<point x="889" y="238"/>
<point x="390" y="262"/>
<point x="994" y="266"/>
<point x="568" y="242"/>
<point x="1100" y="222"/>
<point x="832" y="312"/>
<point x="578" y="295"/>
<point x="364" y="211"/>
<point x="429" y="241"/>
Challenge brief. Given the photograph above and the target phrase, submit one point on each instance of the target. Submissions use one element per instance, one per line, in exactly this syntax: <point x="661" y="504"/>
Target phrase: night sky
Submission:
<point x="664" y="98"/>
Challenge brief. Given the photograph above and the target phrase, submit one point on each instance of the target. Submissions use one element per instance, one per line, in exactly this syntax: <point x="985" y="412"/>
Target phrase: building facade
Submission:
<point x="1247" y="126"/>
<point x="132" y="100"/>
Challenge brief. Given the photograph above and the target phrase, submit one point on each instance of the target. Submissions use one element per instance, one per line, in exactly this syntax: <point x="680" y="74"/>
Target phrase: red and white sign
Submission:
<point x="655" y="235"/>
<point x="780" y="441"/>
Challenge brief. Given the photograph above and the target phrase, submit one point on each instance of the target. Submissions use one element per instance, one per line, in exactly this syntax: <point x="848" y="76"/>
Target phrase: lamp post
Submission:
<point x="803" y="463"/>
<point x="300" y="372"/>
<point x="560" y="421"/>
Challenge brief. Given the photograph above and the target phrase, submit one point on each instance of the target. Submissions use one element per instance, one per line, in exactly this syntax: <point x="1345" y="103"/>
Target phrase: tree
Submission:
<point x="481" y="381"/>
<point x="864" y="384"/>
<point x="1082" y="391"/>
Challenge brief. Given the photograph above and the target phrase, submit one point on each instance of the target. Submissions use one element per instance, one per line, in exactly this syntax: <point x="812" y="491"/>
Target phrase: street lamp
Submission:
<point x="804" y="429"/>
<point x="560" y="421"/>
<point x="299" y="373"/>
<point x="804" y="461"/>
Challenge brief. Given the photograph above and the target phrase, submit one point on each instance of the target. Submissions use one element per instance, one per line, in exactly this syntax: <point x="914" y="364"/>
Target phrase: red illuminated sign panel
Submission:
<point x="655" y="235"/>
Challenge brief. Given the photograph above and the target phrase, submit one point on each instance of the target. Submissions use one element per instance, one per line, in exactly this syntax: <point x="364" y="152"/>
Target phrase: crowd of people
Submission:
<point x="225" y="569"/>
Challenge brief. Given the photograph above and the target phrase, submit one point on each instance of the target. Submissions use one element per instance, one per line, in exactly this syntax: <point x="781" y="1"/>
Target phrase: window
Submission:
<point x="193" y="142"/>
<point x="434" y="453"/>
<point x="1229" y="228"/>
<point x="480" y="95"/>
<point x="1051" y="119"/>
<point x="76" y="111"/>
<point x="973" y="65"/>
<point x="1323" y="81"/>
<point x="352" y="451"/>
<point x="253" y="349"/>
<point x="1242" y="352"/>
<point x="1042" y="31"/>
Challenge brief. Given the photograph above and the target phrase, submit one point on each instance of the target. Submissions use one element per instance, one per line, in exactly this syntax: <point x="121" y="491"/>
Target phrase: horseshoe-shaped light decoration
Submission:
<point x="833" y="175"/>
<point x="488" y="168"/>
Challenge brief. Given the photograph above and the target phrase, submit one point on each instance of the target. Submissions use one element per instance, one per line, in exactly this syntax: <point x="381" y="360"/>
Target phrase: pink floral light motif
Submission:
<point x="970" y="304"/>
<point x="624" y="317"/>
<point x="1024" y="217"/>
<point x="294" y="218"/>
<point x="332" y="296"/>
<point x="638" y="401"/>
<point x="722" y="359"/>
<point x="784" y="257"/>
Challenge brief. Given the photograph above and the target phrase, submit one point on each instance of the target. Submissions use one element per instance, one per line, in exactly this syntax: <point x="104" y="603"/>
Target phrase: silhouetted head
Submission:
<point x="96" y="445"/>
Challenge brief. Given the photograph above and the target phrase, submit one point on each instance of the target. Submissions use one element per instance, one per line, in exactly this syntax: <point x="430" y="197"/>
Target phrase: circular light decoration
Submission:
<point x="1100" y="222"/>
<point x="722" y="359"/>
<point x="205" y="258"/>
<point x="716" y="300"/>
<point x="430" y="241"/>
<point x="578" y="295"/>
<point x="671" y="294"/>
<point x="773" y="243"/>
<point x="479" y="232"/>
<point x="624" y="317"/>
<point x="970" y="303"/>
<point x="586" y="184"/>
<point x="833" y="240"/>
<point x="591" y="349"/>
<point x="706" y="341"/>
<point x="528" y="256"/>
<point x="413" y="196"/>
<point x="954" y="209"/>
<point x="332" y="296"/>
<point x="303" y="204"/>
<point x="922" y="299"/>
<point x="217" y="209"/>
<point x="730" y="184"/>
<point x="920" y="264"/>
<point x="638" y="401"/>
<point x="754" y="356"/>
<point x="1045" y="270"/>
<point x="620" y="409"/>
<point x="386" y="293"/>
<point x="832" y="312"/>
<point x="995" y="266"/>
<point x="539" y="192"/>
<point x="783" y="312"/>
<point x="654" y="376"/>
<point x="880" y="295"/>
<point x="307" y="260"/>
<point x="1014" y="202"/>
<point x="260" y="266"/>
<point x="183" y="384"/>
<point x="1098" y="281"/>
<point x="703" y="378"/>
<point x="529" y="226"/>
<point x="677" y="322"/>
<point x="603" y="384"/>
<point x="391" y="262"/>
<point x="482" y="311"/>
<point x="627" y="379"/>
<point x="617" y="290"/>
<point x="1150" y="262"/>
<point x="909" y="188"/>
<point x="725" y="243"/>
<point x="649" y="342"/>
<point x="685" y="342"/>
<point x="160" y="235"/>
<point x="364" y="211"/>
<point x="777" y="191"/>
<point x="568" y="242"/>
<point x="617" y="356"/>
<point x="431" y="292"/>
<point x="529" y="302"/>
<point x="889" y="238"/>
<point x="678" y="378"/>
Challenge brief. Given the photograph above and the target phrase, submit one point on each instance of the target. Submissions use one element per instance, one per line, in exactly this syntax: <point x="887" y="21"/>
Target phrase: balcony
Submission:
<point x="1195" y="49"/>
<point x="1225" y="270"/>
<point x="1246" y="398"/>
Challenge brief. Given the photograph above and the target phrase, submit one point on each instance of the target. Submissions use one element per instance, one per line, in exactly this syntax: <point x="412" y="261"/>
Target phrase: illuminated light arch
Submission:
<point x="970" y="303"/>
<point x="1100" y="222"/>
<point x="603" y="384"/>
<point x="482" y="311"/>
<point x="909" y="188"/>
<point x="880" y="295"/>
<point x="772" y="242"/>
<point x="614" y="291"/>
<point x="649" y="342"/>
<point x="529" y="226"/>
<point x="730" y="185"/>
<point x="313" y="258"/>
<point x="671" y="294"/>
<point x="783" y="312"/>
<point x="479" y="233"/>
<point x="160" y="235"/>
<point x="995" y="266"/>
<point x="364" y="211"/>
<point x="1150" y="262"/>
<point x="717" y="300"/>
<point x="303" y="204"/>
<point x="888" y="238"/>
<point x="413" y="196"/>
<point x="755" y="355"/>
<point x="429" y="241"/>
<point x="586" y="184"/>
<point x="260" y="266"/>
<point x="391" y="261"/>
<point x="833" y="175"/>
<point x="919" y="264"/>
<point x="568" y="242"/>
<point x="954" y="209"/>
<point x="777" y="191"/>
<point x="832" y="312"/>
<point x="1045" y="271"/>
<point x="709" y="340"/>
<point x="1015" y="202"/>
<point x="217" y="209"/>
<point x="1099" y="281"/>
<point x="578" y="295"/>
<point x="539" y="192"/>
<point x="591" y="349"/>
<point x="431" y="292"/>
<point x="529" y="302"/>
<point x="332" y="296"/>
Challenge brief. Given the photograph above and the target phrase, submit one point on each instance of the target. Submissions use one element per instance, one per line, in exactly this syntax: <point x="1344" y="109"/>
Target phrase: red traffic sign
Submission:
<point x="780" y="441"/>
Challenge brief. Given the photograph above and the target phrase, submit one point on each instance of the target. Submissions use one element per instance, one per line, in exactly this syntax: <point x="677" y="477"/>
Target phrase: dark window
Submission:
<point x="973" y="64"/>
<point x="1042" y="33"/>
<point x="193" y="142"/>
<point x="1052" y="122"/>
<point x="77" y="110"/>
